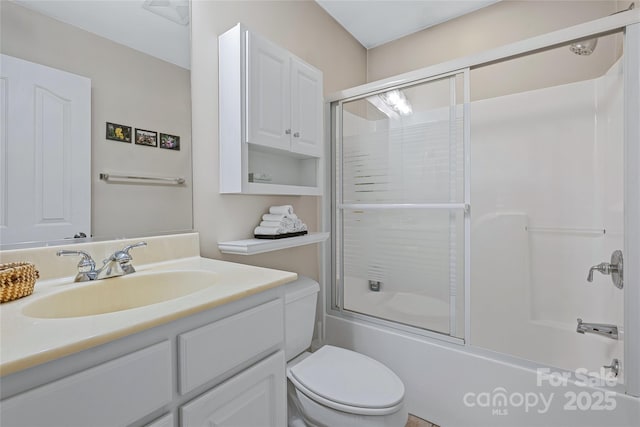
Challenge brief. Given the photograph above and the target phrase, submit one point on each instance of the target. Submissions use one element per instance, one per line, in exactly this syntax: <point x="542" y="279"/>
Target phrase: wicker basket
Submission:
<point x="17" y="280"/>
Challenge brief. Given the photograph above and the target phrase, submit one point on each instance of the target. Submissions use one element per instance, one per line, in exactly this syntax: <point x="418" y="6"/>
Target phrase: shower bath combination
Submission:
<point x="412" y="266"/>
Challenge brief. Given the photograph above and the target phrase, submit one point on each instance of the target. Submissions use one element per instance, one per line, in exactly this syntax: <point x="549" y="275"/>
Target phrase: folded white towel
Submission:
<point x="282" y="210"/>
<point x="273" y="217"/>
<point x="269" y="231"/>
<point x="271" y="224"/>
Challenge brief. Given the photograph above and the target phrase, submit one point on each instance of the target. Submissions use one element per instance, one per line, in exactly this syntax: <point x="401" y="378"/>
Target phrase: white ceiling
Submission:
<point x="376" y="22"/>
<point x="371" y="22"/>
<point x="125" y="22"/>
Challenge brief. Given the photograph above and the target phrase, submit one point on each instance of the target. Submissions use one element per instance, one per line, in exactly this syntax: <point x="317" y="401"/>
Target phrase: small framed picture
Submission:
<point x="146" y="137"/>
<point x="171" y="142"/>
<point x="116" y="132"/>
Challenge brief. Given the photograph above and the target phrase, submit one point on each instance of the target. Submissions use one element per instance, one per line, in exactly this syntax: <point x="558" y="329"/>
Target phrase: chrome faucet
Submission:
<point x="117" y="264"/>
<point x="609" y="331"/>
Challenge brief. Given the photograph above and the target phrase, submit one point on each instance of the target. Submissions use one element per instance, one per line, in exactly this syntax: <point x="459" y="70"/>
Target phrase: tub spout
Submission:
<point x="606" y="330"/>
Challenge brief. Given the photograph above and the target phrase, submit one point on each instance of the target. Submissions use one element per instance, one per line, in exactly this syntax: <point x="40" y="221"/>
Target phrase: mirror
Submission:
<point x="136" y="54"/>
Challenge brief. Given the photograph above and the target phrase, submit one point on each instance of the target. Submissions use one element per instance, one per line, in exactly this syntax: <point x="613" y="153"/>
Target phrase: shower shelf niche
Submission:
<point x="258" y="246"/>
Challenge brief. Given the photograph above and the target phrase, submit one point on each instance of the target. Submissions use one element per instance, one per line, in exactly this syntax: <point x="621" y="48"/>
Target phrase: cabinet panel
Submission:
<point x="268" y="92"/>
<point x="255" y="397"/>
<point x="209" y="351"/>
<point x="306" y="109"/>
<point x="95" y="397"/>
<point x="165" y="421"/>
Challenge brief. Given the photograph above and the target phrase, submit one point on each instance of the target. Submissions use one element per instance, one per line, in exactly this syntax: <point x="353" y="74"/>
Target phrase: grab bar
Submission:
<point x="386" y="206"/>
<point x="566" y="230"/>
<point x="170" y="180"/>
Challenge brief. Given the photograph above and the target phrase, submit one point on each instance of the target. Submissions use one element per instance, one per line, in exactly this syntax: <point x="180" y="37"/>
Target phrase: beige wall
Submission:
<point x="127" y="87"/>
<point x="497" y="25"/>
<point x="306" y="30"/>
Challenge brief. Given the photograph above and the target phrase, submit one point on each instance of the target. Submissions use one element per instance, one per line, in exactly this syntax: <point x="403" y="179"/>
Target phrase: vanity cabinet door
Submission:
<point x="255" y="397"/>
<point x="116" y="393"/>
<point x="268" y="94"/>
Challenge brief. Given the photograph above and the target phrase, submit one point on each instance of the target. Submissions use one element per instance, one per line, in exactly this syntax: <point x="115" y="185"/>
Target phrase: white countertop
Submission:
<point x="27" y="341"/>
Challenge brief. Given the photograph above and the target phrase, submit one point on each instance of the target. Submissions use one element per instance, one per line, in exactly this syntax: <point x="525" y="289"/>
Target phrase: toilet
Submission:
<point x="333" y="386"/>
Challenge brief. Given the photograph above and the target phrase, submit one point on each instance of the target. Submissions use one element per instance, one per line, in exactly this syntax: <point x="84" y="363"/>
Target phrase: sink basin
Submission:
<point x="120" y="293"/>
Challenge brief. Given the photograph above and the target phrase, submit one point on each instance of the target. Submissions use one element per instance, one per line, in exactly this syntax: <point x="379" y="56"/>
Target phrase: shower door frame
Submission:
<point x="629" y="24"/>
<point x="463" y="206"/>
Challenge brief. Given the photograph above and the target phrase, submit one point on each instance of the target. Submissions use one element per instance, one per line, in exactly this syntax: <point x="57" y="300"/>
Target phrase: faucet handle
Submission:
<point x="86" y="264"/>
<point x="123" y="257"/>
<point x="615" y="268"/>
<point x="603" y="267"/>
<point x="126" y="249"/>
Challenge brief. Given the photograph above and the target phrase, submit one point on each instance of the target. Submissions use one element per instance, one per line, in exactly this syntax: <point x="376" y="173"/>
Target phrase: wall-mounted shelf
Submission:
<point x="258" y="246"/>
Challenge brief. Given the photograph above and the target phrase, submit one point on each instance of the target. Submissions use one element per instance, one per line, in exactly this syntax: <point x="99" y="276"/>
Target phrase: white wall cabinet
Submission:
<point x="223" y="367"/>
<point x="271" y="118"/>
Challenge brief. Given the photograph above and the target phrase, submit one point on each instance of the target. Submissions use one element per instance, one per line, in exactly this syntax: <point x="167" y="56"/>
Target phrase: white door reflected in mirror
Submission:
<point x="45" y="141"/>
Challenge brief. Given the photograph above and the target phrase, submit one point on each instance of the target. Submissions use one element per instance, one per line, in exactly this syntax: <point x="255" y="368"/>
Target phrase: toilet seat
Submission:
<point x="348" y="381"/>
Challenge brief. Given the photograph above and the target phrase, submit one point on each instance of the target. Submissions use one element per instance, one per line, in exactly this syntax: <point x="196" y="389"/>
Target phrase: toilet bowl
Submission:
<point x="334" y="387"/>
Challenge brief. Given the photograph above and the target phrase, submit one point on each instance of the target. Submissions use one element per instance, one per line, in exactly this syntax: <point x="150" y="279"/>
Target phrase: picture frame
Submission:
<point x="118" y="132"/>
<point x="148" y="138"/>
<point x="169" y="142"/>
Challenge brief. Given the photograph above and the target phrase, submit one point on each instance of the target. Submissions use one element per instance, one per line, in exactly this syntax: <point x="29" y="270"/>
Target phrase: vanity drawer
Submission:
<point x="115" y="393"/>
<point x="211" y="350"/>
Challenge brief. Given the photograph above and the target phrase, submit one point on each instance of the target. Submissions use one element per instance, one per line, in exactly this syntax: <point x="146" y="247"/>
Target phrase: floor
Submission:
<point x="418" y="422"/>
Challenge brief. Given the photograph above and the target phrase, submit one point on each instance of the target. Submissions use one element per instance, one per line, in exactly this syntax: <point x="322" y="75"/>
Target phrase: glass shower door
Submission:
<point x="401" y="208"/>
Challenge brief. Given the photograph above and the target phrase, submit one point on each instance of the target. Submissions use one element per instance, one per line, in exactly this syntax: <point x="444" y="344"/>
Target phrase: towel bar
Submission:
<point x="170" y="180"/>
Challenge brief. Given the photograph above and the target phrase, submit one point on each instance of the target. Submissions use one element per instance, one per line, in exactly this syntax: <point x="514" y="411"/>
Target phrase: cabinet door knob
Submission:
<point x="287" y="132"/>
<point x="296" y="135"/>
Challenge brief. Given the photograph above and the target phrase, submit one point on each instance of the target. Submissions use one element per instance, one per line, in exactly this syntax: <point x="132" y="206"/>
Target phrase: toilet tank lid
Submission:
<point x="349" y="378"/>
<point x="300" y="288"/>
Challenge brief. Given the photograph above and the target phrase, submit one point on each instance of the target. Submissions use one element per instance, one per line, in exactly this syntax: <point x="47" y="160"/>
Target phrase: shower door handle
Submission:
<point x="615" y="268"/>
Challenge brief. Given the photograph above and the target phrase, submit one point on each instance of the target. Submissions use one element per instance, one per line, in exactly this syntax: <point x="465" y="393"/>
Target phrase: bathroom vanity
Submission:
<point x="213" y="356"/>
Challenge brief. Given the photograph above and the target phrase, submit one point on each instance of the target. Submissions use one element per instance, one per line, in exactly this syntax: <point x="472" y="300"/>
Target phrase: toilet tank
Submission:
<point x="299" y="315"/>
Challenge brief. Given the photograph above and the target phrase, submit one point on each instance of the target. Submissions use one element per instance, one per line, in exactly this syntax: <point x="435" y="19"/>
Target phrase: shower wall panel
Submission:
<point x="547" y="205"/>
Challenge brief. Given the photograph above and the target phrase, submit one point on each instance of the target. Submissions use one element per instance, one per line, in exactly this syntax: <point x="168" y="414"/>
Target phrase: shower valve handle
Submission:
<point x="613" y="268"/>
<point x="604" y="268"/>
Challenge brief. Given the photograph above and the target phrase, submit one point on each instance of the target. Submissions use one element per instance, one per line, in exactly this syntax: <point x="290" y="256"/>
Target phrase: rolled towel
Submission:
<point x="269" y="231"/>
<point x="281" y="210"/>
